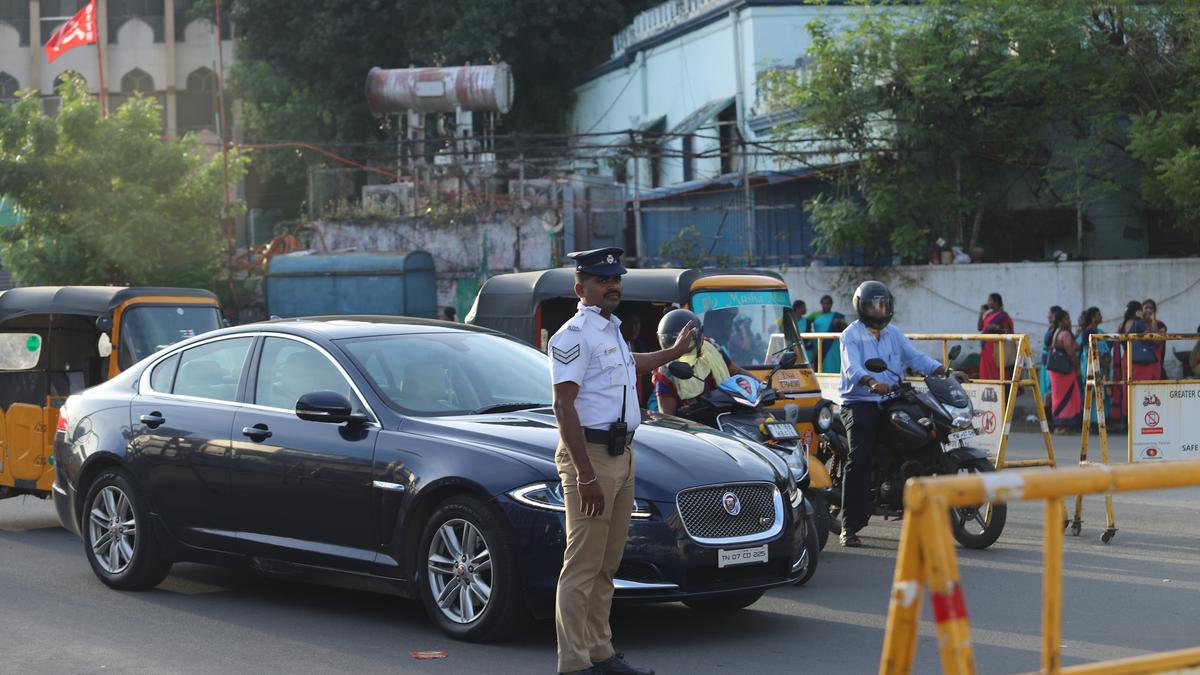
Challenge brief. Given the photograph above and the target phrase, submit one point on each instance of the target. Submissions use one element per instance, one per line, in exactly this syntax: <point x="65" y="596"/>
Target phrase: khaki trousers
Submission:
<point x="594" y="548"/>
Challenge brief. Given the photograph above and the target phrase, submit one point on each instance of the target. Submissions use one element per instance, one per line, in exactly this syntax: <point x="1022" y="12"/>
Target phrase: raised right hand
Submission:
<point x="591" y="499"/>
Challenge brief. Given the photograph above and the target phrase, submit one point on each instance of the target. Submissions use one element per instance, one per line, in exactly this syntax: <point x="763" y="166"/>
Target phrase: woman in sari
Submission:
<point x="1065" y="403"/>
<point x="993" y="320"/>
<point x="1088" y="326"/>
<point x="1133" y="316"/>
<point x="1044" y="373"/>
<point x="829" y="321"/>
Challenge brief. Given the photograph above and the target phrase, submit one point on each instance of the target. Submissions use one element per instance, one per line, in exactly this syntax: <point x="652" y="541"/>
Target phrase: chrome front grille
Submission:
<point x="707" y="520"/>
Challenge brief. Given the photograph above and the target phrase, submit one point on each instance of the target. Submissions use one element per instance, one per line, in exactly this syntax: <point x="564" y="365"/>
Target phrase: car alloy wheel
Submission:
<point x="459" y="567"/>
<point x="112" y="529"/>
<point x="117" y="537"/>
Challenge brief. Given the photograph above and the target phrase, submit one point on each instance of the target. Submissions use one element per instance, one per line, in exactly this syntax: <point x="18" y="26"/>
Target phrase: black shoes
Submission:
<point x="850" y="539"/>
<point x="616" y="665"/>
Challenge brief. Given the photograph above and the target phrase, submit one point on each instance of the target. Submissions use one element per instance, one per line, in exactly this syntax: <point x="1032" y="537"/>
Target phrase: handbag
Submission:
<point x="1143" y="352"/>
<point x="1059" y="362"/>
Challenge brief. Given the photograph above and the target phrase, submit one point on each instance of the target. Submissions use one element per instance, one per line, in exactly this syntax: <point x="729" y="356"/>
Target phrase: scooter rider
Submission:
<point x="861" y="390"/>
<point x="709" y="362"/>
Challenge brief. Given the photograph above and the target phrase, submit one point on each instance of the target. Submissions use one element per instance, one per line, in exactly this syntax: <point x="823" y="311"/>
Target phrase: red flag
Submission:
<point x="80" y="30"/>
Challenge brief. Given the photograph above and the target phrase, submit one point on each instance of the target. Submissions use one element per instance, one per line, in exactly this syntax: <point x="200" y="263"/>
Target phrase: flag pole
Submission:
<point x="100" y="65"/>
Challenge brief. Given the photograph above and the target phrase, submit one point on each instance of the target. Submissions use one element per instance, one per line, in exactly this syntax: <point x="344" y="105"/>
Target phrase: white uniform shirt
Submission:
<point x="590" y="351"/>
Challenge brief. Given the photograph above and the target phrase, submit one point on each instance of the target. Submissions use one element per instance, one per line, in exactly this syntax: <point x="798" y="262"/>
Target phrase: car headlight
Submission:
<point x="549" y="496"/>
<point x="825" y="418"/>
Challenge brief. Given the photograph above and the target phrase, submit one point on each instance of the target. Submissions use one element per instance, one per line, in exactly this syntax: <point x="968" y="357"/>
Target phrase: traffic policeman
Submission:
<point x="594" y="376"/>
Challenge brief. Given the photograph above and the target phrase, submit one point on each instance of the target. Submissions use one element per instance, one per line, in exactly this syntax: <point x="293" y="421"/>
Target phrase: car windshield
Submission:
<point x="452" y="373"/>
<point x="753" y="327"/>
<point x="146" y="329"/>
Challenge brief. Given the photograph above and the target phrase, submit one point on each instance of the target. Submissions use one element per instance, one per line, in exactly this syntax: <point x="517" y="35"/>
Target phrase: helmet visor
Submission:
<point x="876" y="308"/>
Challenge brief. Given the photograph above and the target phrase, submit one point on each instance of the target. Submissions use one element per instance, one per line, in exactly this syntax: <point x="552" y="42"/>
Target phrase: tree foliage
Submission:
<point x="107" y="201"/>
<point x="302" y="63"/>
<point x="937" y="108"/>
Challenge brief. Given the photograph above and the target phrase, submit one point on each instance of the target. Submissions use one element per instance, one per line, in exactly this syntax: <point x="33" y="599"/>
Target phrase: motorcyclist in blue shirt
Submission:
<point x="862" y="393"/>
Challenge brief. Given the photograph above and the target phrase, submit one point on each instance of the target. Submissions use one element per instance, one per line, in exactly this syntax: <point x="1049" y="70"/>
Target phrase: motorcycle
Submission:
<point x="738" y="407"/>
<point x="926" y="433"/>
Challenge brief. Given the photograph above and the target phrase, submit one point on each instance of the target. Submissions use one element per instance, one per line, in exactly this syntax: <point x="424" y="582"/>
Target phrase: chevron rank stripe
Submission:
<point x="565" y="355"/>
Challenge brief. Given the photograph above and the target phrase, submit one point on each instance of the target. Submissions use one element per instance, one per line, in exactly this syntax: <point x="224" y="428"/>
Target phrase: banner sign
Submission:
<point x="1164" y="422"/>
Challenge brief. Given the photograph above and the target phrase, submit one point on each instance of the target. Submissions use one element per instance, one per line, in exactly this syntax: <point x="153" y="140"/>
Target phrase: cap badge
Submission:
<point x="609" y="259"/>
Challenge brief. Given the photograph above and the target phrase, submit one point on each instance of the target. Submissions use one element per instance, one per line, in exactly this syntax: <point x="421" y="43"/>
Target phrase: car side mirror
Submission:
<point x="954" y="352"/>
<point x="681" y="370"/>
<point x="876" y="365"/>
<point x="326" y="406"/>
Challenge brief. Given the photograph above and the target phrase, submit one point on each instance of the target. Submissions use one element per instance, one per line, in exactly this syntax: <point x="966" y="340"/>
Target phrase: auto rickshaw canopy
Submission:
<point x="92" y="301"/>
<point x="510" y="303"/>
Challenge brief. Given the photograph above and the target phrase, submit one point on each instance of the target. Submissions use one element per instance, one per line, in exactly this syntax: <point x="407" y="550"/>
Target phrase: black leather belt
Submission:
<point x="601" y="436"/>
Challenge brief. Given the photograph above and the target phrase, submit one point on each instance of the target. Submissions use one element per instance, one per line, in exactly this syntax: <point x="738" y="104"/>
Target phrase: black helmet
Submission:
<point x="874" y="304"/>
<point x="673" y="322"/>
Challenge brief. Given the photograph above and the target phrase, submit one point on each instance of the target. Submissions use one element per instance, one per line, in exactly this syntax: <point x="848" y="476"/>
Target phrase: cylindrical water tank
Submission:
<point x="475" y="88"/>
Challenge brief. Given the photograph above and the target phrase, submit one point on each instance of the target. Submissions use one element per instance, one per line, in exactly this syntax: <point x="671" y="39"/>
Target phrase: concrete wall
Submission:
<point x="456" y="249"/>
<point x="946" y="298"/>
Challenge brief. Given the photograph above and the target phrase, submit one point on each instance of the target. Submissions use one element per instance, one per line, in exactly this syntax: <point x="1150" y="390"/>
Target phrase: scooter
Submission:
<point x="926" y="433"/>
<point x="738" y="406"/>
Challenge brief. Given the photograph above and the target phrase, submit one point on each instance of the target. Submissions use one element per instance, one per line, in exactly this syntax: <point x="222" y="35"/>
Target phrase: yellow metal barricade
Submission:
<point x="927" y="558"/>
<point x="1023" y="375"/>
<point x="1154" y="421"/>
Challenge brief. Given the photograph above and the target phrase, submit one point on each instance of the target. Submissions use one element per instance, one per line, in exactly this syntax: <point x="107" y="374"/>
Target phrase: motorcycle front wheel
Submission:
<point x="978" y="526"/>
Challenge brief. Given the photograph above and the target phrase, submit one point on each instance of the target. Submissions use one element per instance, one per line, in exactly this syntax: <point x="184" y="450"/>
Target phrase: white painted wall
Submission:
<point x="946" y="298"/>
<point x="14" y="59"/>
<point x="681" y="76"/>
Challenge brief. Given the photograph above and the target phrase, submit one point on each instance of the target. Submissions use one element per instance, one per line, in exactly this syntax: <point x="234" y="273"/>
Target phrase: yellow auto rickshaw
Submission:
<point x="747" y="311"/>
<point x="59" y="340"/>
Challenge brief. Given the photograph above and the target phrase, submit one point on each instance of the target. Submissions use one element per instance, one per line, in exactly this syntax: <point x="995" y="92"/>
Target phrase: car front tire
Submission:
<point x="117" y="536"/>
<point x="467" y="572"/>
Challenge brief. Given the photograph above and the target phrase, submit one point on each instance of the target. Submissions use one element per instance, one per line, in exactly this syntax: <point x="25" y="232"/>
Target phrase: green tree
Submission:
<point x="106" y="200"/>
<point x="939" y="107"/>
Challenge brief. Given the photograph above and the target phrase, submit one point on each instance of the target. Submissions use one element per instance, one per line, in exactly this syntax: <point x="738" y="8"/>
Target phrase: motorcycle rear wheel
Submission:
<point x="978" y="526"/>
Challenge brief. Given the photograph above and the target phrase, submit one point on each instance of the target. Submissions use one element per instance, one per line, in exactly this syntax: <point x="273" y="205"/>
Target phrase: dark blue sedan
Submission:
<point x="407" y="456"/>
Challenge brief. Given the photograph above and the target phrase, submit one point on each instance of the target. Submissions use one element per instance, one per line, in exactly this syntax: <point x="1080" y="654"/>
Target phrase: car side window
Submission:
<point x="212" y="370"/>
<point x="163" y="375"/>
<point x="288" y="369"/>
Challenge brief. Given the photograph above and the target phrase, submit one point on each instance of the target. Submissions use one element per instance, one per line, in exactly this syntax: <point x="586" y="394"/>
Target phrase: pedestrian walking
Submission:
<point x="993" y="320"/>
<point x="593" y="373"/>
<point x="1066" y="405"/>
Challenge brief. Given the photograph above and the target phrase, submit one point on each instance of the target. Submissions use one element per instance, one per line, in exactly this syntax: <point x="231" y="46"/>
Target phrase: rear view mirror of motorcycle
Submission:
<point x="954" y="352"/>
<point x="876" y="365"/>
<point x="787" y="360"/>
<point x="681" y="370"/>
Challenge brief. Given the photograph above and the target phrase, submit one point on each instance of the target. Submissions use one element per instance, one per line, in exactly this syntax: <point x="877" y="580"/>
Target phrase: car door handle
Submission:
<point x="153" y="420"/>
<point x="258" y="432"/>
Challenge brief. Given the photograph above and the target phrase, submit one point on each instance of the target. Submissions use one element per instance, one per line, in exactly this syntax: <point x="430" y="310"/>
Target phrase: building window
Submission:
<point x="197" y="102"/>
<point x="57" y="12"/>
<point x="9" y="87"/>
<point x="731" y="139"/>
<point x="120" y="11"/>
<point x="652" y="139"/>
<point x="16" y="14"/>
<point x="137" y="80"/>
<point x="187" y="12"/>
<point x="54" y="102"/>
<point x="689" y="157"/>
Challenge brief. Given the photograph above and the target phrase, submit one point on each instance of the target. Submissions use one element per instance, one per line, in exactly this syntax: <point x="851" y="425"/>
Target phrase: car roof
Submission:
<point x="334" y="327"/>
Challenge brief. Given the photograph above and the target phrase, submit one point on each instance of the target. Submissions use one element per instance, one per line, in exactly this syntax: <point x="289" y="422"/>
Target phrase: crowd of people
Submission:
<point x="1065" y="358"/>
